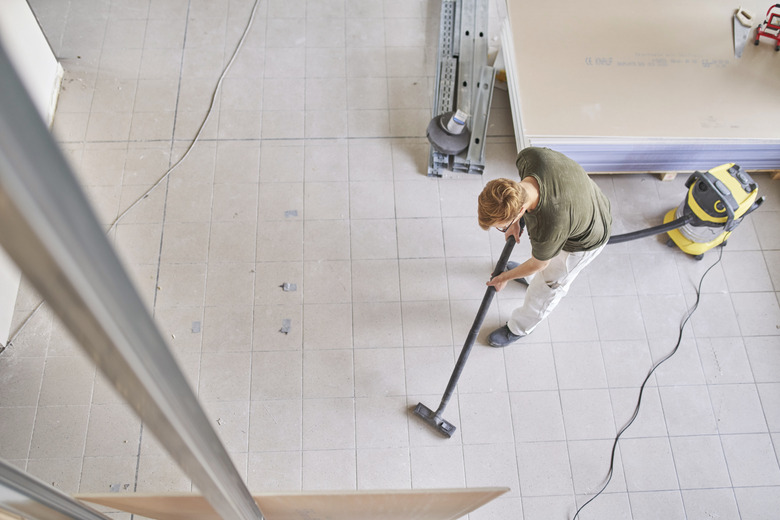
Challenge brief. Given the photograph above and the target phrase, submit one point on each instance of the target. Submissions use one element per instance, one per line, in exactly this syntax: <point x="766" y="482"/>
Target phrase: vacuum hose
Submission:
<point x="663" y="228"/>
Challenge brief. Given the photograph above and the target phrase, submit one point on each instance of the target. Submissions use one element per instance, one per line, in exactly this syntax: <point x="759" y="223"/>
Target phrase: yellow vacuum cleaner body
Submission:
<point x="716" y="203"/>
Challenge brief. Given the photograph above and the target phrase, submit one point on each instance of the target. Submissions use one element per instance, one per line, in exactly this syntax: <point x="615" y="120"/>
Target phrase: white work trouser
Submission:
<point x="547" y="287"/>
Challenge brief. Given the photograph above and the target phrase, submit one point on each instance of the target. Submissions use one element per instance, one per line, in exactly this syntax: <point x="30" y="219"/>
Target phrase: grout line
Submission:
<point x="563" y="418"/>
<point x="514" y="437"/>
<point x="162" y="229"/>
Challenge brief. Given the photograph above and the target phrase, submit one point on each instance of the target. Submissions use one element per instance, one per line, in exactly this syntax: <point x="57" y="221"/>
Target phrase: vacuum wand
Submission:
<point x="435" y="419"/>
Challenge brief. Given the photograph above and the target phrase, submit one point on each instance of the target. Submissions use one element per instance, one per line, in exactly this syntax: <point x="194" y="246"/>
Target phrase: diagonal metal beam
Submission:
<point x="28" y="497"/>
<point x="48" y="228"/>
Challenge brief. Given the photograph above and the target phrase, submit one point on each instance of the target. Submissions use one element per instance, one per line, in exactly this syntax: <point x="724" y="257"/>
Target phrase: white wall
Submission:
<point x="31" y="55"/>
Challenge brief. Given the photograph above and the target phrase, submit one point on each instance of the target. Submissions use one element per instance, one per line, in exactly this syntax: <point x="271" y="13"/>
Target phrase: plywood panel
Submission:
<point x="630" y="68"/>
<point x="439" y="504"/>
<point x="5" y="515"/>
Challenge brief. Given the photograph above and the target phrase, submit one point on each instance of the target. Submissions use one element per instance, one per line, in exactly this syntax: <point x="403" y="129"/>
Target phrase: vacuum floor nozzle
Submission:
<point x="439" y="424"/>
<point x="434" y="418"/>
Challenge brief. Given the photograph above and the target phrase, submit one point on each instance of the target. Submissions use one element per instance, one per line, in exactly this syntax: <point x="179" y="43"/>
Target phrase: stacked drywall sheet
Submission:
<point x="625" y="86"/>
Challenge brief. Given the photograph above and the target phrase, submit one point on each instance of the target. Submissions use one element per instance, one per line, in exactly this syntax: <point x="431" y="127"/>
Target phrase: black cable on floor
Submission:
<point x="642" y="387"/>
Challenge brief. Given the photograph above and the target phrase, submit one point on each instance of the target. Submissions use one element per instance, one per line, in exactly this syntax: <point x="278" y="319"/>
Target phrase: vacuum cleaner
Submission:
<point x="717" y="202"/>
<point x="719" y="199"/>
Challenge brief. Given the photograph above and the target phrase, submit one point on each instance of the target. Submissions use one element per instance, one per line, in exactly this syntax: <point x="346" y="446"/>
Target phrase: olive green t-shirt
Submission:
<point x="573" y="214"/>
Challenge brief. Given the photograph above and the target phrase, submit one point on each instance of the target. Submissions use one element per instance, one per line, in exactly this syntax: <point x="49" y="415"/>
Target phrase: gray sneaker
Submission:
<point x="511" y="265"/>
<point x="503" y="337"/>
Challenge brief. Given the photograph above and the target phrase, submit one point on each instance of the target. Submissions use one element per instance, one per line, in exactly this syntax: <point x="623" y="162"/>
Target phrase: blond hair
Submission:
<point x="500" y="202"/>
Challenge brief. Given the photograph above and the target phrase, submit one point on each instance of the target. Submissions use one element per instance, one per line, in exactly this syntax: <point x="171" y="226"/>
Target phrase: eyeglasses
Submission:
<point x="505" y="229"/>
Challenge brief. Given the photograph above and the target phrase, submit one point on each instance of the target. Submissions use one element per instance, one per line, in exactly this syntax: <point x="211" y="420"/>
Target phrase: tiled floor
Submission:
<point x="311" y="170"/>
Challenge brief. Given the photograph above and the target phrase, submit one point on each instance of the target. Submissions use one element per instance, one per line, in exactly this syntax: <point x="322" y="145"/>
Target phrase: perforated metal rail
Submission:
<point x="464" y="81"/>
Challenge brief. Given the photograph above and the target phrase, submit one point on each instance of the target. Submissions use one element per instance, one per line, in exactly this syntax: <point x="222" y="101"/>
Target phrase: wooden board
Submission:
<point x="5" y="515"/>
<point x="436" y="504"/>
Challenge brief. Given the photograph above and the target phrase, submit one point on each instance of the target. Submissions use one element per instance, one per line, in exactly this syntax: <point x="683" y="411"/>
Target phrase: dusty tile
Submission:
<point x="329" y="469"/>
<point x="485" y="418"/>
<point x="372" y="200"/>
<point x="107" y="474"/>
<point x="274" y="471"/>
<point x="373" y="239"/>
<point x="587" y="414"/>
<point x="275" y="425"/>
<point x="280" y="242"/>
<point x="67" y="381"/>
<point x="420" y="238"/>
<point x="327" y="326"/>
<point x="159" y="474"/>
<point x="227" y="328"/>
<point x="16" y="428"/>
<point x="648" y="464"/>
<point x="185" y="242"/>
<point x="579" y="365"/>
<point x="22" y="384"/>
<point x="224" y="376"/>
<point x="278" y="327"/>
<point x="328" y="373"/>
<point x="62" y="473"/>
<point x="437" y="467"/>
<point x="750" y="460"/>
<point x="325" y="240"/>
<point x="326" y="200"/>
<point x="280" y="201"/>
<point x="277" y="375"/>
<point x="423" y="279"/>
<point x="537" y="416"/>
<point x="375" y="281"/>
<point x="646" y="505"/>
<point x="699" y="462"/>
<point x="544" y="468"/>
<point x="590" y="460"/>
<point x="377" y="325"/>
<point x="688" y="410"/>
<point x="181" y="285"/>
<point x="426" y="324"/>
<point x="329" y="424"/>
<point x="281" y="162"/>
<point x="230" y="284"/>
<point x="710" y="502"/>
<point x="738" y="408"/>
<point x="270" y="280"/>
<point x="113" y="431"/>
<point x="60" y="431"/>
<point x="327" y="281"/>
<point x="379" y="372"/>
<point x="326" y="161"/>
<point x="384" y="468"/>
<point x="232" y="242"/>
<point x="231" y="422"/>
<point x="235" y="202"/>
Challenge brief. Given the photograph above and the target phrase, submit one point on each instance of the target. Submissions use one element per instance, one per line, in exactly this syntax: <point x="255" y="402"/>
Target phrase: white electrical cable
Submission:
<point x="172" y="168"/>
<point x="203" y="124"/>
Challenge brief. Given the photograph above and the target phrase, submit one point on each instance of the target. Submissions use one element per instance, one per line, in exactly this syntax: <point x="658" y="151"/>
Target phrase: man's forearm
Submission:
<point x="527" y="268"/>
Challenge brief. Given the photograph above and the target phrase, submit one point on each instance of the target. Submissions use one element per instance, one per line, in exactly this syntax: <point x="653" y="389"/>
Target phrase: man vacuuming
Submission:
<point x="568" y="220"/>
